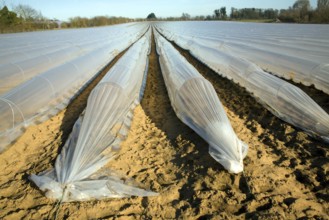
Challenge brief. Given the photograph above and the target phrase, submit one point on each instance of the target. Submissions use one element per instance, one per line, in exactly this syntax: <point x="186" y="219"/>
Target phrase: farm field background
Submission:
<point x="286" y="169"/>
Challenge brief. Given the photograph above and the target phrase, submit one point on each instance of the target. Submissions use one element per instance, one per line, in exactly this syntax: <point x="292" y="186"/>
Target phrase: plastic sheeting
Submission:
<point x="46" y="94"/>
<point x="95" y="141"/>
<point x="27" y="57"/>
<point x="12" y="74"/>
<point x="36" y="43"/>
<point x="196" y="103"/>
<point x="289" y="51"/>
<point x="286" y="101"/>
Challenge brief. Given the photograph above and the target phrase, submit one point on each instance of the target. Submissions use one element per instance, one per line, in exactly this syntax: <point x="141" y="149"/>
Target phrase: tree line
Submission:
<point x="77" y="22"/>
<point x="299" y="12"/>
<point x="302" y="12"/>
<point x="25" y="18"/>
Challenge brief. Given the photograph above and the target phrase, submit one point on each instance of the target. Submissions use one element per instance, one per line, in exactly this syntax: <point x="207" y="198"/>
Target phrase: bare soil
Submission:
<point x="286" y="170"/>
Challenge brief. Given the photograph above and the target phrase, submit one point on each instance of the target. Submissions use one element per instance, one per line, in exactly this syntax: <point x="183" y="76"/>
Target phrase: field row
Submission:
<point x="284" y="170"/>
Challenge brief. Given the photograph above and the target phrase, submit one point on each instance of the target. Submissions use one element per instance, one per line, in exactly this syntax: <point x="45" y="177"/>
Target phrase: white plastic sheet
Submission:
<point x="35" y="43"/>
<point x="289" y="51"/>
<point x="12" y="74"/>
<point x="286" y="101"/>
<point x="27" y="59"/>
<point x="46" y="94"/>
<point x="196" y="103"/>
<point x="95" y="138"/>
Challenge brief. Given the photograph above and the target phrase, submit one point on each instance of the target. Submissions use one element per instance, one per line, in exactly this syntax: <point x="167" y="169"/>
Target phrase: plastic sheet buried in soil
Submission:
<point x="197" y="105"/>
<point x="95" y="138"/>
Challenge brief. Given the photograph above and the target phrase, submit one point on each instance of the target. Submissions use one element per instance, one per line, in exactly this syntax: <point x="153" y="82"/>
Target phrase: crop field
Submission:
<point x="165" y="120"/>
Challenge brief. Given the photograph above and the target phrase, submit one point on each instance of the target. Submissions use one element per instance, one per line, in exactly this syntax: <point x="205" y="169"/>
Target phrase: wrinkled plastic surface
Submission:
<point x="44" y="95"/>
<point x="286" y="101"/>
<point x="287" y="50"/>
<point x="27" y="57"/>
<point x="95" y="138"/>
<point x="196" y="103"/>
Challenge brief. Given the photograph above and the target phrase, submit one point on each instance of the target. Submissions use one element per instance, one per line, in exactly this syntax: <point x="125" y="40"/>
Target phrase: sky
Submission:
<point x="65" y="9"/>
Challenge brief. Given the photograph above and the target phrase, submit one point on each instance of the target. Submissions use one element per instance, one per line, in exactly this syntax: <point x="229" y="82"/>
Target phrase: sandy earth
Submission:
<point x="286" y="170"/>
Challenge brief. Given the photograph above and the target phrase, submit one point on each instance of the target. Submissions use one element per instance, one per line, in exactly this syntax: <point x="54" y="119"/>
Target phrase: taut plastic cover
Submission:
<point x="196" y="103"/>
<point x="46" y="94"/>
<point x="95" y="138"/>
<point x="22" y="58"/>
<point x="291" y="51"/>
<point x="283" y="99"/>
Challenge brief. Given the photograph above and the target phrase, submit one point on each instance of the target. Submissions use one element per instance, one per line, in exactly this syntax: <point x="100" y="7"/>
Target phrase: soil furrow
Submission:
<point x="289" y="151"/>
<point x="286" y="170"/>
<point x="35" y="151"/>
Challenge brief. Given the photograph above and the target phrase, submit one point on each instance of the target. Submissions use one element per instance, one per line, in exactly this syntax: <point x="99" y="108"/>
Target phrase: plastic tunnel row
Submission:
<point x="302" y="59"/>
<point x="96" y="136"/>
<point x="21" y="46"/>
<point x="33" y="41"/>
<point x="51" y="91"/>
<point x="195" y="102"/>
<point x="19" y="66"/>
<point x="286" y="101"/>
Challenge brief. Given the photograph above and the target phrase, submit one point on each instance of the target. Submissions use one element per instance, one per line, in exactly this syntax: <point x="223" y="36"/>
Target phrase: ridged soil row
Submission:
<point x="35" y="151"/>
<point x="285" y="166"/>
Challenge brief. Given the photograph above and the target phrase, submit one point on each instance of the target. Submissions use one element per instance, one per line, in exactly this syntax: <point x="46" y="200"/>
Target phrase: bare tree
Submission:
<point x="223" y="13"/>
<point x="186" y="16"/>
<point x="323" y="4"/>
<point x="27" y="13"/>
<point x="217" y="13"/>
<point x="302" y="7"/>
<point x="323" y="11"/>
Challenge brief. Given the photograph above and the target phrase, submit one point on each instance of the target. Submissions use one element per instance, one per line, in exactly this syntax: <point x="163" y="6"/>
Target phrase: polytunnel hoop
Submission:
<point x="12" y="111"/>
<point x="22" y="71"/>
<point x="51" y="86"/>
<point x="114" y="84"/>
<point x="18" y="109"/>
